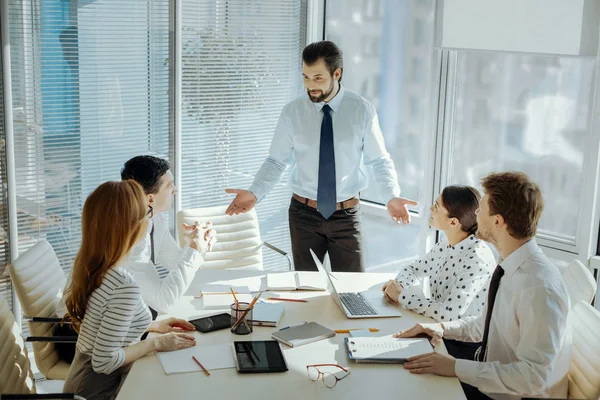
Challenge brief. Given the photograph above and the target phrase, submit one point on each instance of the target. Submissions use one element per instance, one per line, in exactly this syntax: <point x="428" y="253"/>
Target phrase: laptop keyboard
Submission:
<point x="356" y="304"/>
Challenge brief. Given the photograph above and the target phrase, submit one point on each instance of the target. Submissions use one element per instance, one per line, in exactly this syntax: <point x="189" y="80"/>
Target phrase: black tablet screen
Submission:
<point x="213" y="323"/>
<point x="260" y="356"/>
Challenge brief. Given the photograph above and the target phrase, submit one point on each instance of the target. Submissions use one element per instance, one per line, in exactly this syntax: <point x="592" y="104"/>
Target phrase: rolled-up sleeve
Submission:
<point x="377" y="157"/>
<point x="280" y="157"/>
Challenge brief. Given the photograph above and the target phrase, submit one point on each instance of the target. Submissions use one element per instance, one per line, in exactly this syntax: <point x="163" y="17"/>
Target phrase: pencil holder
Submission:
<point x="237" y="311"/>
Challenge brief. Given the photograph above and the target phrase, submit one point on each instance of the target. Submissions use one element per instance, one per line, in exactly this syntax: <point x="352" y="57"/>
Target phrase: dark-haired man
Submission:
<point x="526" y="342"/>
<point x="328" y="135"/>
<point x="161" y="268"/>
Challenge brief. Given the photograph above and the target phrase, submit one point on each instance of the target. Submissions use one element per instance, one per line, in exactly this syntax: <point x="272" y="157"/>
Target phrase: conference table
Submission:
<point x="147" y="379"/>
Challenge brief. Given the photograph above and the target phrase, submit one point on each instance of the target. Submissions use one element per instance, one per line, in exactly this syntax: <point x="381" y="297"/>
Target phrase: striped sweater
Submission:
<point x="115" y="317"/>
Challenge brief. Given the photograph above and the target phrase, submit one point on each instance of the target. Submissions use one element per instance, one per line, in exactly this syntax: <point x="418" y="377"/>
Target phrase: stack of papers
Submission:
<point x="386" y="349"/>
<point x="219" y="297"/>
<point x="218" y="356"/>
<point x="217" y="288"/>
<point x="223" y="301"/>
<point x="285" y="281"/>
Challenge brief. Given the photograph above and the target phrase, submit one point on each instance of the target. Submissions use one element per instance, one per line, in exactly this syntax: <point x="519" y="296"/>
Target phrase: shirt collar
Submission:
<point x="515" y="259"/>
<point x="465" y="244"/>
<point x="333" y="103"/>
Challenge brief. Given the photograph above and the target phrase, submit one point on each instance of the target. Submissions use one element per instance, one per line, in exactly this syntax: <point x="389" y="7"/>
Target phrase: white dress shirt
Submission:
<point x="529" y="342"/>
<point x="159" y="290"/>
<point x="160" y="294"/>
<point x="358" y="142"/>
<point x="456" y="275"/>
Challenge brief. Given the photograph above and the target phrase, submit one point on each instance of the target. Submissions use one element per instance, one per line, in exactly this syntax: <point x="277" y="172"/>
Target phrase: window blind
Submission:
<point x="5" y="286"/>
<point x="90" y="90"/>
<point x="241" y="63"/>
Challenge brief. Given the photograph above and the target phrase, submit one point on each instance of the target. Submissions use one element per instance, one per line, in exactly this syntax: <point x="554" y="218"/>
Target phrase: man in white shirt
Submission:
<point x="327" y="135"/>
<point x="526" y="342"/>
<point x="161" y="268"/>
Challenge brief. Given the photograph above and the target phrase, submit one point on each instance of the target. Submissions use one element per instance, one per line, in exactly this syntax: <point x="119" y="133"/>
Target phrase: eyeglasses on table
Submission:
<point x="330" y="379"/>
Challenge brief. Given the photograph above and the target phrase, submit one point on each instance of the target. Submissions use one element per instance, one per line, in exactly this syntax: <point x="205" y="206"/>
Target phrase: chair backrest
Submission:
<point x="15" y="371"/>
<point x="238" y="237"/>
<point x="580" y="282"/>
<point x="38" y="281"/>
<point x="584" y="371"/>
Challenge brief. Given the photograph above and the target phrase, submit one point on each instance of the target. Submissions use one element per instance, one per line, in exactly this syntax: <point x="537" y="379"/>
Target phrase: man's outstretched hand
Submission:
<point x="244" y="201"/>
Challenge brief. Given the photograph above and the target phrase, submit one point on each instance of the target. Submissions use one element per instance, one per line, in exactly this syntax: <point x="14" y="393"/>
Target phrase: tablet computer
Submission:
<point x="259" y="356"/>
<point x="212" y="323"/>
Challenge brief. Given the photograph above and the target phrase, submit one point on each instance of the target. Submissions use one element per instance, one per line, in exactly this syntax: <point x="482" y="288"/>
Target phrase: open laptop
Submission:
<point x="365" y="304"/>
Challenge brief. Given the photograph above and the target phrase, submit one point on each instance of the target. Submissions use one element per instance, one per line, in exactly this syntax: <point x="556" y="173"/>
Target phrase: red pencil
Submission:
<point x="284" y="299"/>
<point x="201" y="366"/>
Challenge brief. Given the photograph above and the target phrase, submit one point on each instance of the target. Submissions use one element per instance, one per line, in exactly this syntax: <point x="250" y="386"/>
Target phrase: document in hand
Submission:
<point x="304" y="280"/>
<point x="386" y="349"/>
<point x="267" y="314"/>
<point x="302" y="334"/>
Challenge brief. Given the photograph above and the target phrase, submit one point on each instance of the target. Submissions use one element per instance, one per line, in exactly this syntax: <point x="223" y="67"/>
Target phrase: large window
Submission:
<point x="241" y="65"/>
<point x="388" y="59"/>
<point x="90" y="86"/>
<point x="5" y="287"/>
<point x="524" y="113"/>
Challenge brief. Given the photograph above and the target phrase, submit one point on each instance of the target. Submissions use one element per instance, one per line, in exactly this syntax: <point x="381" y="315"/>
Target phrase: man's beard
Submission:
<point x="322" y="96"/>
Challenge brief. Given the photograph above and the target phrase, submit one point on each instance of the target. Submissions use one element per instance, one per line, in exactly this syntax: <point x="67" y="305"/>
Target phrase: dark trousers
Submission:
<point x="465" y="351"/>
<point x="339" y="235"/>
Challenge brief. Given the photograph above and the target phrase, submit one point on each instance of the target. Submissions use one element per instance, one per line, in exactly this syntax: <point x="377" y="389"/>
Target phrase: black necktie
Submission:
<point x="152" y="311"/>
<point x="494" y="284"/>
<point x="152" y="244"/>
<point x="326" y="191"/>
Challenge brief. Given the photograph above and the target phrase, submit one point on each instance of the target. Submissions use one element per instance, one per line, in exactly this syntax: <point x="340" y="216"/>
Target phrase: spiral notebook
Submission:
<point x="386" y="349"/>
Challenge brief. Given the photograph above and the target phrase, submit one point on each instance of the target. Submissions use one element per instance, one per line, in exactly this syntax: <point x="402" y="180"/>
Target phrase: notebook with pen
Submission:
<point x="287" y="281"/>
<point x="301" y="334"/>
<point x="267" y="314"/>
<point x="385" y="349"/>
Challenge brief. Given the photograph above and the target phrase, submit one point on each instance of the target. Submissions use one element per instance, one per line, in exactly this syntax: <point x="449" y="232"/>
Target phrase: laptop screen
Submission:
<point x="322" y="270"/>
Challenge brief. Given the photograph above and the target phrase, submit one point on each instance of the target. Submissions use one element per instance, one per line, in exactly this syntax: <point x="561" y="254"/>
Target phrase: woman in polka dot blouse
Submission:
<point x="458" y="267"/>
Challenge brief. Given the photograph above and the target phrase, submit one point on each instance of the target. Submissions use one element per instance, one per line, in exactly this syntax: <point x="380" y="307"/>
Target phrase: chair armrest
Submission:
<point x="54" y="339"/>
<point x="49" y="320"/>
<point x="283" y="253"/>
<point x="41" y="396"/>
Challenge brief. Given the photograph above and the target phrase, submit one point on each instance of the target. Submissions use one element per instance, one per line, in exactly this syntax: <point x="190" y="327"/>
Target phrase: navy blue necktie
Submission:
<point x="326" y="192"/>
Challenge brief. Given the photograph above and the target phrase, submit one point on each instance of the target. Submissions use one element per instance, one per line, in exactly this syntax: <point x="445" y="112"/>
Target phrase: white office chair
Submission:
<point x="584" y="371"/>
<point x="38" y="281"/>
<point x="580" y="282"/>
<point x="238" y="238"/>
<point x="16" y="377"/>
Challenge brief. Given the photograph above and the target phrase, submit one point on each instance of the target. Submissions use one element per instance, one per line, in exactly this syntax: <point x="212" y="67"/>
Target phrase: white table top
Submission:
<point x="147" y="379"/>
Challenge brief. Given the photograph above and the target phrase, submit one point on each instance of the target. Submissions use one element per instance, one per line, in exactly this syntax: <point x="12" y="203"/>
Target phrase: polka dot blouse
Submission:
<point x="457" y="278"/>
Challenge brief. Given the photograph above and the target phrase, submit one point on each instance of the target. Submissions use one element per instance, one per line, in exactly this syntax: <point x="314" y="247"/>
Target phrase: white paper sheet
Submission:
<point x="223" y="301"/>
<point x="224" y="288"/>
<point x="281" y="281"/>
<point x="213" y="357"/>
